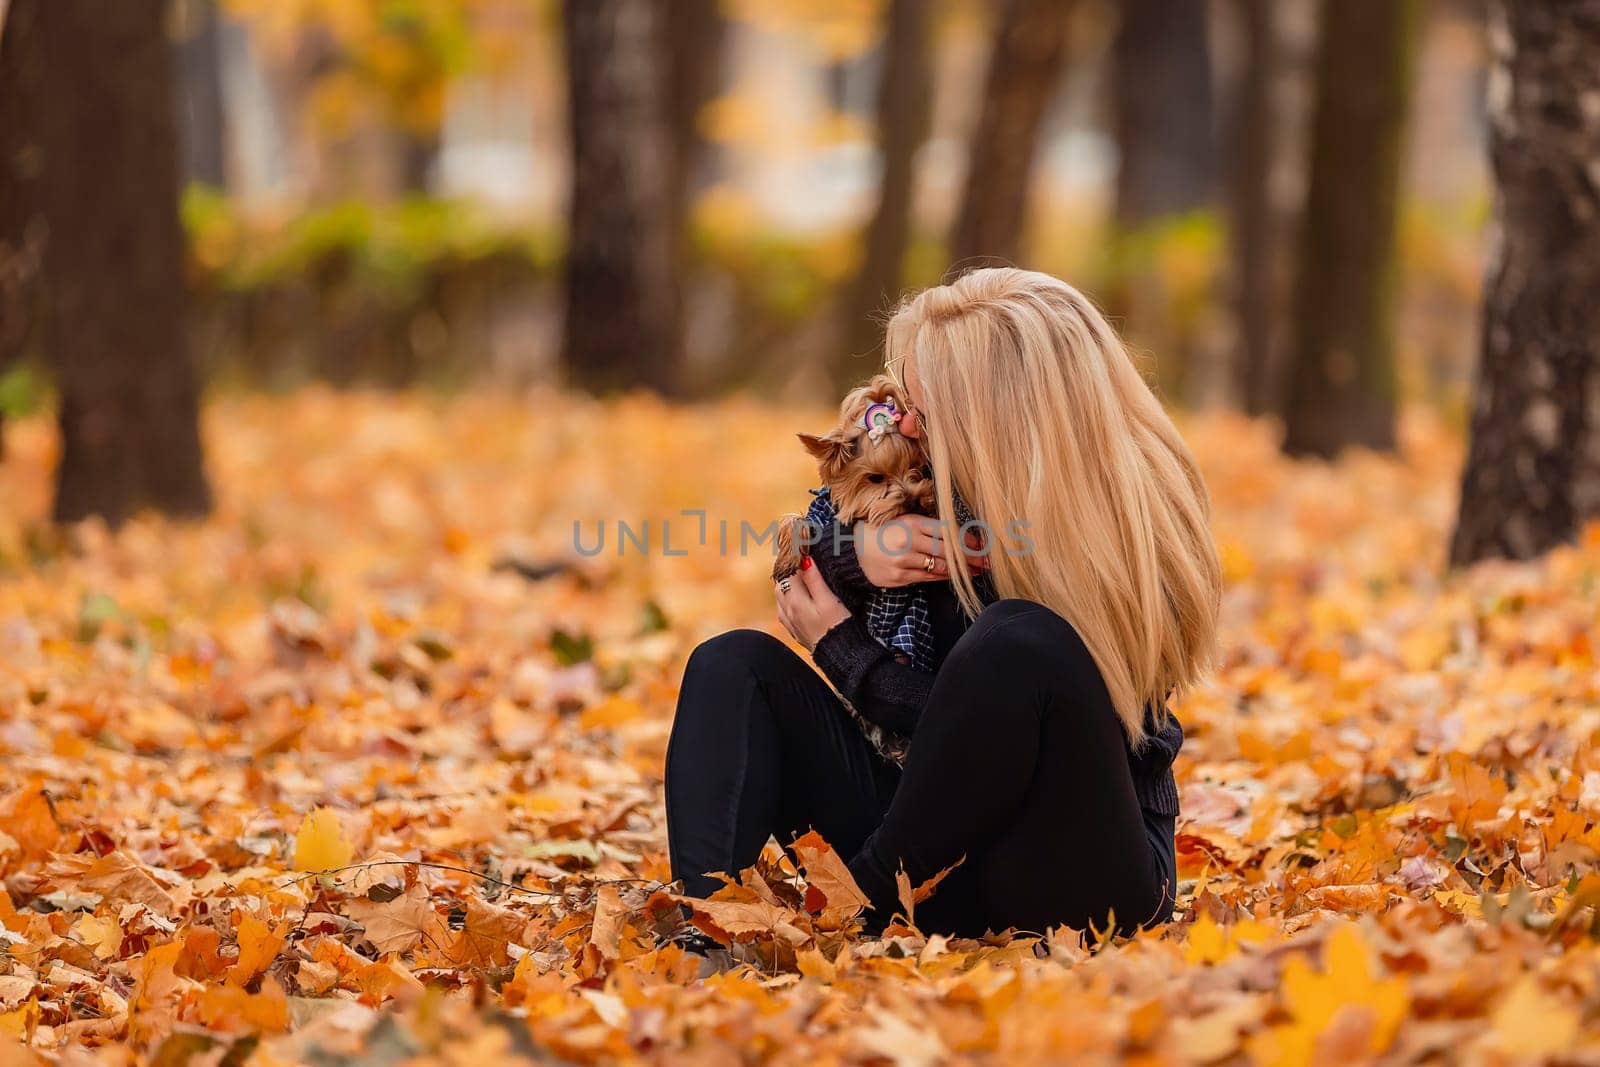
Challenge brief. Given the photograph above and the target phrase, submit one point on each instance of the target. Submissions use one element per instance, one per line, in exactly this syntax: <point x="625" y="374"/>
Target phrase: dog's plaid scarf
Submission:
<point x="896" y="618"/>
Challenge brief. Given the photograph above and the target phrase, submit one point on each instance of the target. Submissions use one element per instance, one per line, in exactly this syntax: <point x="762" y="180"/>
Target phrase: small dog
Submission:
<point x="872" y="472"/>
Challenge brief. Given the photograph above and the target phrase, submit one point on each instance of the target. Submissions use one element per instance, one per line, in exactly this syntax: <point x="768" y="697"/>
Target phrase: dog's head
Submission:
<point x="872" y="474"/>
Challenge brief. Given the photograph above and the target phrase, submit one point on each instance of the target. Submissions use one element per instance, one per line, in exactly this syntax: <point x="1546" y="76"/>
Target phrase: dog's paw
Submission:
<point x="789" y="548"/>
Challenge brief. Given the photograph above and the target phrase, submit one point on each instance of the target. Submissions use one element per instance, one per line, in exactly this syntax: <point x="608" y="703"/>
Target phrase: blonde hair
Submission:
<point x="1037" y="415"/>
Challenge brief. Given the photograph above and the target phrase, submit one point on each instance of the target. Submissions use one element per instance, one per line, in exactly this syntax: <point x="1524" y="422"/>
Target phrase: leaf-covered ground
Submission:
<point x="378" y="658"/>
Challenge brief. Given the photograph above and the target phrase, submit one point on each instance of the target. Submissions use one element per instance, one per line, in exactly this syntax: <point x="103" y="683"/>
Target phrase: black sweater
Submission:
<point x="892" y="694"/>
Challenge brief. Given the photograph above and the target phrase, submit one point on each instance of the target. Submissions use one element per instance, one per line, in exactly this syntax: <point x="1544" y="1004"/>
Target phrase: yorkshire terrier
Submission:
<point x="872" y="472"/>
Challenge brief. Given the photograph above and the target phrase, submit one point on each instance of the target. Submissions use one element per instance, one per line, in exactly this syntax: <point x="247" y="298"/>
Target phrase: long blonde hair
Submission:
<point x="1037" y="415"/>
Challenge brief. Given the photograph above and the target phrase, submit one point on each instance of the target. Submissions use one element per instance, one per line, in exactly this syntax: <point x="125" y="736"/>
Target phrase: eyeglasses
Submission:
<point x="892" y="369"/>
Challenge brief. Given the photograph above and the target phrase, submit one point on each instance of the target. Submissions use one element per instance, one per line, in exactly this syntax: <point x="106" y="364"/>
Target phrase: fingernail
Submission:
<point x="805" y="563"/>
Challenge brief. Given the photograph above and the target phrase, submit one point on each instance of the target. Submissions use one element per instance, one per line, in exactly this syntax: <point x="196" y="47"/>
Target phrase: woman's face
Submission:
<point x="912" y="426"/>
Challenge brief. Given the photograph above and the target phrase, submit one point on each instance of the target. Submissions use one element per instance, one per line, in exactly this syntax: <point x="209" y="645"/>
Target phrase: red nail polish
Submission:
<point x="805" y="563"/>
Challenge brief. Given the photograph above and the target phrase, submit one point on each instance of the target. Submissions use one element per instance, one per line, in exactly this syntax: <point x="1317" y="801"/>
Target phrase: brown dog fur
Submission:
<point x="869" y="481"/>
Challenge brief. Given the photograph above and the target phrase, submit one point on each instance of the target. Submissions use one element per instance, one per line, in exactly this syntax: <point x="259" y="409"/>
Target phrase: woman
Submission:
<point x="1040" y="763"/>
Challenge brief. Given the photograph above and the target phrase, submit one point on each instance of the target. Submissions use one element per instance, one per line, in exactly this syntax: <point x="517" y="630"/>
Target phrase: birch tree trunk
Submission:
<point x="1533" y="470"/>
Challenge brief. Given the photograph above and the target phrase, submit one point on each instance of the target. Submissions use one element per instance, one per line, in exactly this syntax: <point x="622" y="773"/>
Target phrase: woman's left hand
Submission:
<point x="809" y="609"/>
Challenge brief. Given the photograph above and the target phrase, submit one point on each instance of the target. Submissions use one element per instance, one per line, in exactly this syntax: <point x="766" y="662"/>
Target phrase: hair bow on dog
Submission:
<point x="880" y="419"/>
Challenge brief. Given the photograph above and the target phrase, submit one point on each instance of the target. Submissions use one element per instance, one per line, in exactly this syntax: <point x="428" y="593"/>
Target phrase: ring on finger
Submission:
<point x="784" y="584"/>
<point x="928" y="563"/>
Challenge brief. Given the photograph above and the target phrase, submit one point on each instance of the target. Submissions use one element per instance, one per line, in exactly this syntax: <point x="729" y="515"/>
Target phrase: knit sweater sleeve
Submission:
<point x="882" y="689"/>
<point x="1152" y="768"/>
<point x="834" y="552"/>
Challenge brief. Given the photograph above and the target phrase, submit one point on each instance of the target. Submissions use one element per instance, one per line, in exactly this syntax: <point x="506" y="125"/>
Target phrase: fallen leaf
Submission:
<point x="401" y="923"/>
<point x="320" y="845"/>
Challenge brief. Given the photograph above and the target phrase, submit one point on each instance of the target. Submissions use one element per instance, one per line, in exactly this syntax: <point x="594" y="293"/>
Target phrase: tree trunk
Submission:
<point x="204" y="127"/>
<point x="97" y="162"/>
<point x="1342" y="378"/>
<point x="1166" y="162"/>
<point x="622" y="313"/>
<point x="1533" y="469"/>
<point x="694" y="31"/>
<point x="1255" y="223"/>
<point x="418" y="154"/>
<point x="693" y="35"/>
<point x="1030" y="48"/>
<point x="904" y="92"/>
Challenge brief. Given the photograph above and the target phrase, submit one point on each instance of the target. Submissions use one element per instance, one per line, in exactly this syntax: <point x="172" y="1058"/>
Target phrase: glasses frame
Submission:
<point x="891" y="368"/>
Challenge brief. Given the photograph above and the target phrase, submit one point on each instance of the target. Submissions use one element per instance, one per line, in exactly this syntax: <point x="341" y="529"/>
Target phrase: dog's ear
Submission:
<point x="831" y="449"/>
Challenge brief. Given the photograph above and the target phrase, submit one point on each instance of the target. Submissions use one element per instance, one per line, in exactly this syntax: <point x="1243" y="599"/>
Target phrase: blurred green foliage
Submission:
<point x="409" y="291"/>
<point x="22" y="390"/>
<point x="391" y="247"/>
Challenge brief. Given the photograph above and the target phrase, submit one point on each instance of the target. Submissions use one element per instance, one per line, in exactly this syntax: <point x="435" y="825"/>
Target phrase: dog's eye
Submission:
<point x="875" y="479"/>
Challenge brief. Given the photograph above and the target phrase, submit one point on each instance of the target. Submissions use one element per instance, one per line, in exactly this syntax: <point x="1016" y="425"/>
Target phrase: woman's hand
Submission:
<point x="896" y="553"/>
<point x="809" y="609"/>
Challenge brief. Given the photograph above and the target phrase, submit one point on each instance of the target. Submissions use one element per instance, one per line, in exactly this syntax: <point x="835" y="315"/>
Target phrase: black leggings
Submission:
<point x="1018" y="764"/>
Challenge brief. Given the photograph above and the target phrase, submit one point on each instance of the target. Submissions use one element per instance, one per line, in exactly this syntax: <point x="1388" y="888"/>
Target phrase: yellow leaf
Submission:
<point x="1210" y="942"/>
<point x="20" y="1023"/>
<point x="259" y="945"/>
<point x="321" y="845"/>
<point x="228" y="1007"/>
<point x="1346" y="986"/>
<point x="154" y="976"/>
<point x="1207" y="943"/>
<point x="102" y="933"/>
<point x="613" y="711"/>
<point x="1531" y="1024"/>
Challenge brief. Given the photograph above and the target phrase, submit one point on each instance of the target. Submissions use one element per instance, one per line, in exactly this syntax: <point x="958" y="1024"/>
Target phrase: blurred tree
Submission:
<point x="622" y="302"/>
<point x="89" y="147"/>
<point x="695" y="32"/>
<point x="1342" y="372"/>
<point x="1030" y="47"/>
<point x="203" y="128"/>
<point x="1533" y="469"/>
<point x="371" y="66"/>
<point x="694" y="35"/>
<point x="904" y="106"/>
<point x="1166" y="155"/>
<point x="1255" y="233"/>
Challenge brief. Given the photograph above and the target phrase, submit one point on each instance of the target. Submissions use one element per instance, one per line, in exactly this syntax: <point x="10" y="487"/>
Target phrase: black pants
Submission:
<point x="1018" y="764"/>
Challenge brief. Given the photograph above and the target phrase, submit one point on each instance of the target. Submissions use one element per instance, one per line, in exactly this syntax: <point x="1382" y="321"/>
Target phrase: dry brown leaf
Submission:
<point x="118" y="876"/>
<point x="827" y="873"/>
<point x="400" y="924"/>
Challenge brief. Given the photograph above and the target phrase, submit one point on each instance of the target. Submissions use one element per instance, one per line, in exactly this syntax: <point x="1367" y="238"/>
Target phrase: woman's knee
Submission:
<point x="722" y="670"/>
<point x="1022" y="634"/>
<point x="1023" y="648"/>
<point x="737" y="652"/>
<point x="715" y="695"/>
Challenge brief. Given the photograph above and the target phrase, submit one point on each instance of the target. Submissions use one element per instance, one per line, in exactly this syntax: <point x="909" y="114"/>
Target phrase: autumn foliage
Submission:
<point x="367" y="767"/>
